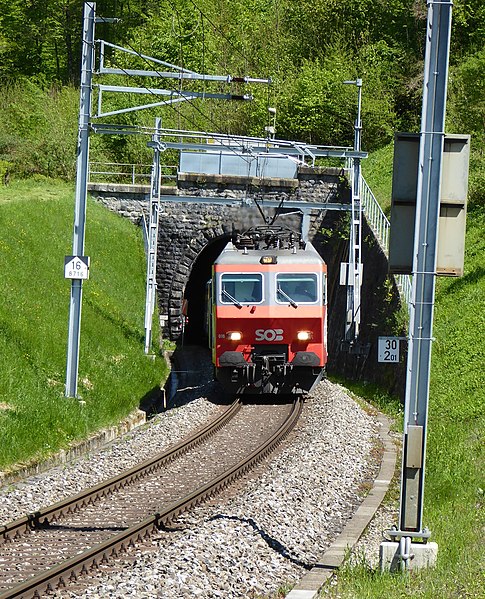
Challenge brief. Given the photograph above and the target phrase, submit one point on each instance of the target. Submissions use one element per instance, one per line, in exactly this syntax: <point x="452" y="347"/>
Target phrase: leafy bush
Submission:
<point x="38" y="129"/>
<point x="466" y="114"/>
<point x="318" y="107"/>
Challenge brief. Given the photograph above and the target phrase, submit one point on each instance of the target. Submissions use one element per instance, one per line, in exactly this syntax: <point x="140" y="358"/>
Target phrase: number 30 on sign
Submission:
<point x="388" y="349"/>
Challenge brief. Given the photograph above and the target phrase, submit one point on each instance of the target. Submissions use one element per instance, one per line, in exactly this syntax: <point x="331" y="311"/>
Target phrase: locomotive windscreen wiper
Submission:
<point x="292" y="301"/>
<point x="233" y="299"/>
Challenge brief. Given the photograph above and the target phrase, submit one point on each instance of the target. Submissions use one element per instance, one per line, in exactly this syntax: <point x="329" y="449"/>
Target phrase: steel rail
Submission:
<point x="59" y="575"/>
<point x="88" y="496"/>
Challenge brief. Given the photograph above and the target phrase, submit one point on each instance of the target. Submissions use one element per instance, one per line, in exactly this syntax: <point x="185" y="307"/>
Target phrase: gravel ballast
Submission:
<point x="262" y="535"/>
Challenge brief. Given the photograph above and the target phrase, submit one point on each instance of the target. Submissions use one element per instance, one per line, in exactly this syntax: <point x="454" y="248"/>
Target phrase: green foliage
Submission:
<point x="322" y="23"/>
<point x="308" y="49"/>
<point x="468" y="31"/>
<point x="466" y="109"/>
<point x="375" y="64"/>
<point x="377" y="170"/>
<point x="41" y="39"/>
<point x="319" y="107"/>
<point x="466" y="114"/>
<point x="38" y="129"/>
<point x="35" y="235"/>
<point x="4" y="169"/>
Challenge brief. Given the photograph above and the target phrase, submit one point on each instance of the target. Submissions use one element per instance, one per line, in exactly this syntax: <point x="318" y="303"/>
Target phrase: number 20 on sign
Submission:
<point x="388" y="350"/>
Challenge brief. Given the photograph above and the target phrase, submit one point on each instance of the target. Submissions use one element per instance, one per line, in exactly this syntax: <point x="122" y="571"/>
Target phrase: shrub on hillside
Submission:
<point x="466" y="114"/>
<point x="38" y="129"/>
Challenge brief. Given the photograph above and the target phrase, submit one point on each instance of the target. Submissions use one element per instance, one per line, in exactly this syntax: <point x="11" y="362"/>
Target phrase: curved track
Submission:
<point x="33" y="549"/>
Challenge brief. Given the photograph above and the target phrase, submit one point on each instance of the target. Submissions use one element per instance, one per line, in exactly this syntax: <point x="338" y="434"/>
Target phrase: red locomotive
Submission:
<point x="267" y="314"/>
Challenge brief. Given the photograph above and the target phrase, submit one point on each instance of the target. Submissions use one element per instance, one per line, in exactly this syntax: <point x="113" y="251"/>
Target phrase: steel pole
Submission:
<point x="357" y="215"/>
<point x="82" y="165"/>
<point x="424" y="266"/>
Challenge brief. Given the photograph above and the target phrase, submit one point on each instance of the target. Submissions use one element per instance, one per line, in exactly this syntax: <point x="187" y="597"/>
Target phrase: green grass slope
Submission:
<point x="36" y="222"/>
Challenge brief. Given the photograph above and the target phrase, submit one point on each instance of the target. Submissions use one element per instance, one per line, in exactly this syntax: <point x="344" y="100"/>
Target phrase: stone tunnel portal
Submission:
<point x="192" y="236"/>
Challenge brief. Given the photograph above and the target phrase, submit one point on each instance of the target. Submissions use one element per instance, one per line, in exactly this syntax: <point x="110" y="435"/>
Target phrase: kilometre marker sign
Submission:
<point x="76" y="267"/>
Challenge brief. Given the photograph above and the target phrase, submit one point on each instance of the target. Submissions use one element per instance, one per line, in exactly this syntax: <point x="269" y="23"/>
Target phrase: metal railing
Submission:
<point x="376" y="218"/>
<point x="134" y="174"/>
<point x="380" y="226"/>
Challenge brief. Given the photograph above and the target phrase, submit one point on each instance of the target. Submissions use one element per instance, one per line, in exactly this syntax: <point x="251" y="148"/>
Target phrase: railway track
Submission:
<point x="47" y="549"/>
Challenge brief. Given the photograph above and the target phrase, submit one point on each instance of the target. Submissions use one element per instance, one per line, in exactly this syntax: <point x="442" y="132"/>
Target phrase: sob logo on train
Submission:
<point x="269" y="334"/>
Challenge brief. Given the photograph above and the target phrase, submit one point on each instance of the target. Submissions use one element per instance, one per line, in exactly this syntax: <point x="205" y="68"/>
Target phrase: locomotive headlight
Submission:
<point x="304" y="335"/>
<point x="234" y="336"/>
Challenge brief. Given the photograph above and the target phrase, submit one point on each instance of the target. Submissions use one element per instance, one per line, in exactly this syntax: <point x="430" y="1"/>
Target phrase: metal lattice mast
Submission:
<point x="151" y="282"/>
<point x="354" y="273"/>
<point x="74" y="330"/>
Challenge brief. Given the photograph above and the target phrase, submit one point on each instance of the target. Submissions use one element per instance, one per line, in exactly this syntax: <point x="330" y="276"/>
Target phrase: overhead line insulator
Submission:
<point x="231" y="79"/>
<point x="246" y="97"/>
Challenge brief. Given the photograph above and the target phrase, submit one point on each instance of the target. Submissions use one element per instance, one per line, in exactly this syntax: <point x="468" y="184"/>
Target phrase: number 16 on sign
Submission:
<point x="76" y="267"/>
<point x="388" y="349"/>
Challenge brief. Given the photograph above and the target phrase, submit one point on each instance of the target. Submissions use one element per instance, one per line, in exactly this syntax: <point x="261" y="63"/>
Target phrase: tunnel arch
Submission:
<point x="188" y="230"/>
<point x="188" y="283"/>
<point x="191" y="269"/>
<point x="194" y="293"/>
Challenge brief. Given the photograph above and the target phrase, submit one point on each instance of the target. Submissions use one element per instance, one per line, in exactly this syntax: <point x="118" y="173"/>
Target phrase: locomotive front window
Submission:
<point x="242" y="288"/>
<point x="300" y="288"/>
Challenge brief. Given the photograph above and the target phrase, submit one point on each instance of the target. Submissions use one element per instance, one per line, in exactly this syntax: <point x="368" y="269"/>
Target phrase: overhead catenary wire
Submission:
<point x="170" y="103"/>
<point x="243" y="55"/>
<point x="147" y="60"/>
<point x="203" y="15"/>
<point x="221" y="33"/>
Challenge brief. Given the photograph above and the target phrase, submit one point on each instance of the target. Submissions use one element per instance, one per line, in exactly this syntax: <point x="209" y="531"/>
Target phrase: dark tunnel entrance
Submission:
<point x="195" y="291"/>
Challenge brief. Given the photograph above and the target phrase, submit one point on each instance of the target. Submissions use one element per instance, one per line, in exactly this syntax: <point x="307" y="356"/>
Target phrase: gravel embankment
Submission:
<point x="261" y="535"/>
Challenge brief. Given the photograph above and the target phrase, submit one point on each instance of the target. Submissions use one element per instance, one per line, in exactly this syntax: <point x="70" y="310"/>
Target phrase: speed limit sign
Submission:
<point x="388" y="350"/>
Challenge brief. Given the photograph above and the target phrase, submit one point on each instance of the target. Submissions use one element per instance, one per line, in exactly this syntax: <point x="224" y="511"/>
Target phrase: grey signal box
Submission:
<point x="453" y="197"/>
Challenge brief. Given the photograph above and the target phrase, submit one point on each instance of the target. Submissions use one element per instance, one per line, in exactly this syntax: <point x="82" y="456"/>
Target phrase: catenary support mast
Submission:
<point x="85" y="118"/>
<point x="152" y="235"/>
<point x="74" y="331"/>
<point x="424" y="268"/>
<point x="354" y="266"/>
